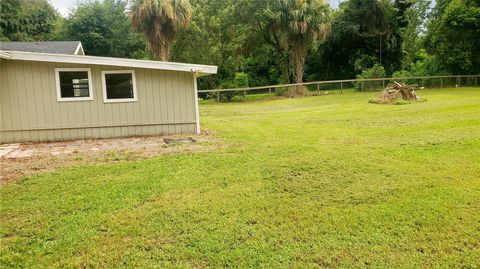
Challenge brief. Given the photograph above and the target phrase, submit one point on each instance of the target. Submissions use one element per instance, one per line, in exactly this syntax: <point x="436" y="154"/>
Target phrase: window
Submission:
<point x="119" y="86"/>
<point x="73" y="84"/>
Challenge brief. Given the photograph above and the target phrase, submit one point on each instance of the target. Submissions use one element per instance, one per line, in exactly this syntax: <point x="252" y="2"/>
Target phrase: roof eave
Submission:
<point x="5" y="55"/>
<point x="201" y="70"/>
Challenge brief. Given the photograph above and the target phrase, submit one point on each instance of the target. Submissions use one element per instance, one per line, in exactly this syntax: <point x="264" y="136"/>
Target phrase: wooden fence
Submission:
<point x="339" y="85"/>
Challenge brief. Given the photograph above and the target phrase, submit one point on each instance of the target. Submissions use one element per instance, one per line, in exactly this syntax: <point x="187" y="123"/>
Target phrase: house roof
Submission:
<point x="57" y="47"/>
<point x="200" y="70"/>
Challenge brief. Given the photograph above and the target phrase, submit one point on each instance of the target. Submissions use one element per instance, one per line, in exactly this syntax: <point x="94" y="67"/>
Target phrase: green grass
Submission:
<point x="328" y="181"/>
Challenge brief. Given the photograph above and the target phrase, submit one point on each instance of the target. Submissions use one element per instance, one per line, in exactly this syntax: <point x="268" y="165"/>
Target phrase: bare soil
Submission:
<point x="20" y="160"/>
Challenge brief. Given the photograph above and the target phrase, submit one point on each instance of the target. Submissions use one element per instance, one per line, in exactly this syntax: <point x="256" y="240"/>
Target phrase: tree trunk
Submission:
<point x="282" y="57"/>
<point x="161" y="50"/>
<point x="164" y="51"/>
<point x="299" y="61"/>
<point x="283" y="65"/>
<point x="299" y="52"/>
<point x="156" y="49"/>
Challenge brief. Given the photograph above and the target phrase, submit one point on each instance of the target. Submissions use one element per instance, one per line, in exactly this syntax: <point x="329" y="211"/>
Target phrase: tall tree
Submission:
<point x="226" y="33"/>
<point x="454" y="35"/>
<point x="297" y="24"/>
<point x="160" y="21"/>
<point x="414" y="34"/>
<point x="269" y="27"/>
<point x="22" y="20"/>
<point x="104" y="29"/>
<point x="364" y="33"/>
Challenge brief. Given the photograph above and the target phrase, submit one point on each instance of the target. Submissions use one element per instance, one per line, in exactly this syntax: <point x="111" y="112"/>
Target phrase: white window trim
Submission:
<point x="73" y="99"/>
<point x="123" y="100"/>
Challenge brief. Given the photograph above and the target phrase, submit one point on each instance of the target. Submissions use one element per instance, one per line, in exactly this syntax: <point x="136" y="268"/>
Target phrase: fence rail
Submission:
<point x="373" y="83"/>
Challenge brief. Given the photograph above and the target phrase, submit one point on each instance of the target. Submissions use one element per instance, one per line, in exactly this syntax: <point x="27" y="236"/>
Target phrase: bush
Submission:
<point x="377" y="71"/>
<point x="280" y="91"/>
<point x="428" y="66"/>
<point x="239" y="81"/>
<point x="364" y="62"/>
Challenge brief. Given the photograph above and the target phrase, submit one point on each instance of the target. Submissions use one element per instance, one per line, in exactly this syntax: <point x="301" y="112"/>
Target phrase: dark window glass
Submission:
<point x="74" y="84"/>
<point x="119" y="86"/>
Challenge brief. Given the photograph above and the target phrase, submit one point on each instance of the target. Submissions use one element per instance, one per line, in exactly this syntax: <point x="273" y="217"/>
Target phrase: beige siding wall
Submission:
<point x="29" y="110"/>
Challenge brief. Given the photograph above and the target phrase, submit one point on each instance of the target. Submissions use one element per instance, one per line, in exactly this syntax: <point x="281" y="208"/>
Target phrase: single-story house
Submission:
<point x="51" y="91"/>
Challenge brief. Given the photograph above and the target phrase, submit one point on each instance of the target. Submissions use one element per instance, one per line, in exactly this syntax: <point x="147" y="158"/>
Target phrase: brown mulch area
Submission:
<point x="35" y="158"/>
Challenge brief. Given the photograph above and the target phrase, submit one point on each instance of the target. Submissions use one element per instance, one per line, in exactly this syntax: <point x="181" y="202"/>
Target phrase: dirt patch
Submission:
<point x="19" y="160"/>
<point x="170" y="141"/>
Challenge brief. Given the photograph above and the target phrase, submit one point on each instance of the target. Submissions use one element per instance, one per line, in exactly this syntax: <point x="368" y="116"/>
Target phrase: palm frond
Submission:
<point x="160" y="21"/>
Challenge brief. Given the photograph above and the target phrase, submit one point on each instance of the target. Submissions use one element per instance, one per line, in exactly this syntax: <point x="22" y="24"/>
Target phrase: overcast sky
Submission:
<point x="64" y="6"/>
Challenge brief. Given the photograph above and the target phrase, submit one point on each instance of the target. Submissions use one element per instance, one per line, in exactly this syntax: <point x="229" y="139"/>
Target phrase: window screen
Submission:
<point x="119" y="86"/>
<point x="74" y="84"/>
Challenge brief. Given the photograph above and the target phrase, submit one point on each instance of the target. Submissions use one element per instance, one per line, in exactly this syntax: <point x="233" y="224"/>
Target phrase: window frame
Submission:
<point x="120" y="100"/>
<point x="73" y="99"/>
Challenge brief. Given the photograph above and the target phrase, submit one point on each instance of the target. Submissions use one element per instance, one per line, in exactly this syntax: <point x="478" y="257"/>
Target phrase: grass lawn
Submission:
<point x="328" y="181"/>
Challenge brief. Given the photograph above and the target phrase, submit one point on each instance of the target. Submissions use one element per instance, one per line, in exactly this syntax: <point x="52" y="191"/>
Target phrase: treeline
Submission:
<point x="273" y="41"/>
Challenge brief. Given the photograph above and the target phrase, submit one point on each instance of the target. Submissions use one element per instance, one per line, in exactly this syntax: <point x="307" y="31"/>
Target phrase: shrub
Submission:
<point x="422" y="68"/>
<point x="376" y="71"/>
<point x="239" y="81"/>
<point x="280" y="91"/>
<point x="364" y="62"/>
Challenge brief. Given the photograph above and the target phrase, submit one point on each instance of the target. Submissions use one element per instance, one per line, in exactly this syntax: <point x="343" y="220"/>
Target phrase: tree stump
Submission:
<point x="396" y="91"/>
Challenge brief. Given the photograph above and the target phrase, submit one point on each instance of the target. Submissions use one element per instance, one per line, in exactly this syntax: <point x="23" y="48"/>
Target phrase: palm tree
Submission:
<point x="160" y="21"/>
<point x="269" y="27"/>
<point x="299" y="23"/>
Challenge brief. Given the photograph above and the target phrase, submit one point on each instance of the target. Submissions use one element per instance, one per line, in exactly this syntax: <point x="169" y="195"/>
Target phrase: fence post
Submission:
<point x="362" y="85"/>
<point x="441" y="83"/>
<point x="383" y="83"/>
<point x="318" y="88"/>
<point x="458" y="82"/>
<point x="244" y="95"/>
<point x="341" y="87"/>
<point x="218" y="97"/>
<point x="423" y="82"/>
<point x="270" y="90"/>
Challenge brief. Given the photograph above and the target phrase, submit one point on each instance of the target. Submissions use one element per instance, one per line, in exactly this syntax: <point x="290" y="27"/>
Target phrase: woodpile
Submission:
<point x="398" y="91"/>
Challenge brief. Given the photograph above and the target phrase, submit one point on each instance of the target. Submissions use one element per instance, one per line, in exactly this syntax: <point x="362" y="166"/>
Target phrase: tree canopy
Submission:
<point x="292" y="26"/>
<point x="23" y="20"/>
<point x="104" y="29"/>
<point x="160" y="21"/>
<point x="454" y="35"/>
